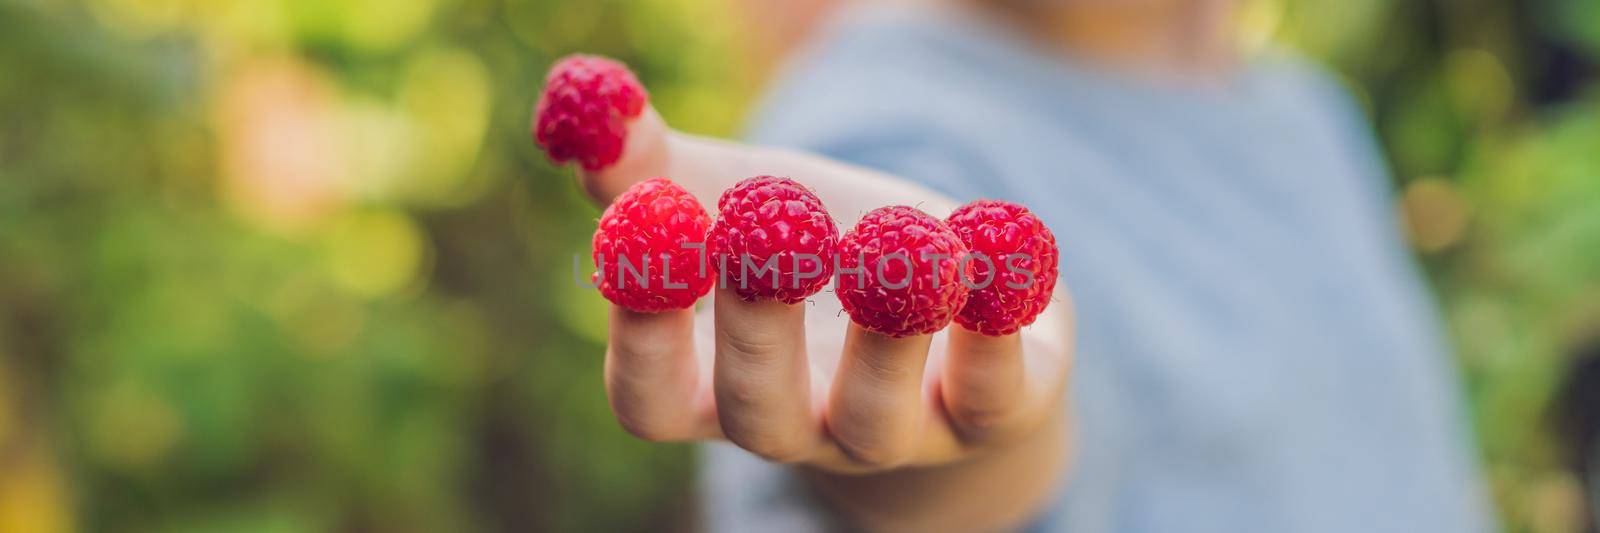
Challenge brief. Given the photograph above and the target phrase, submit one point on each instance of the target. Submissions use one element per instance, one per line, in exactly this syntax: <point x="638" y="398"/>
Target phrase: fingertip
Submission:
<point x="644" y="155"/>
<point x="594" y="112"/>
<point x="652" y="376"/>
<point x="581" y="114"/>
<point x="984" y="382"/>
<point x="629" y="327"/>
<point x="634" y="315"/>
<point x="884" y="356"/>
<point x="876" y="406"/>
<point x="762" y="377"/>
<point x="978" y="345"/>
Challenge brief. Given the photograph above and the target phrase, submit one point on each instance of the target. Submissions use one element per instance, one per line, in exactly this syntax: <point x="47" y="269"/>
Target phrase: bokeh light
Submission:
<point x="295" y="265"/>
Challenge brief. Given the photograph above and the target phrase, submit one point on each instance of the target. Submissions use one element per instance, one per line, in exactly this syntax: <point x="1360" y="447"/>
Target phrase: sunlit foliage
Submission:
<point x="295" y="265"/>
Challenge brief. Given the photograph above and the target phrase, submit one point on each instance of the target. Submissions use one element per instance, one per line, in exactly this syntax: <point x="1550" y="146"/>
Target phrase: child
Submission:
<point x="1254" y="348"/>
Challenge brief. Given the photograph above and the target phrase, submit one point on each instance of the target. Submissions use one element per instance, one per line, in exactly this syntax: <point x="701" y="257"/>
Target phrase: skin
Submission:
<point x="1164" y="41"/>
<point x="951" y="432"/>
<point x="783" y="25"/>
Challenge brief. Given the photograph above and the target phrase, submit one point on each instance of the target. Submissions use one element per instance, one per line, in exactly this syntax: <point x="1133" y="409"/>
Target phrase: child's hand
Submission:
<point x="802" y="383"/>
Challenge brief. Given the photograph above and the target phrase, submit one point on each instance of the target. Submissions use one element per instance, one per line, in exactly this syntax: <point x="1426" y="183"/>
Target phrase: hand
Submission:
<point x="801" y="383"/>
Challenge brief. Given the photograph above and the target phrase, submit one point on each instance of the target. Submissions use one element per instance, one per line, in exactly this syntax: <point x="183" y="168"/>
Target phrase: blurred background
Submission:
<point x="296" y="265"/>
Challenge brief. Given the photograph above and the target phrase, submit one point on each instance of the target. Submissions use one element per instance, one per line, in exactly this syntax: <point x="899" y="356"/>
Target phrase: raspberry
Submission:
<point x="583" y="112"/>
<point x="649" y="249"/>
<point x="900" y="272"/>
<point x="771" y="221"/>
<point x="1014" y="265"/>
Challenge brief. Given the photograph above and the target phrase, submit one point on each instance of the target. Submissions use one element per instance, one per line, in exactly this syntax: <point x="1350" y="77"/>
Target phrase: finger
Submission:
<point x="652" y="375"/>
<point x="983" y="384"/>
<point x="876" y="407"/>
<point x="645" y="155"/>
<point x="762" y="378"/>
<point x="706" y="167"/>
<point x="570" y="131"/>
<point x="995" y="388"/>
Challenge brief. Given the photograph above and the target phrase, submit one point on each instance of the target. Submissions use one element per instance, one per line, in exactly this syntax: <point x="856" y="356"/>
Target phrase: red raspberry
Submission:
<point x="1014" y="284"/>
<point x="774" y="219"/>
<point x="659" y="229"/>
<point x="900" y="272"/>
<point x="583" y="112"/>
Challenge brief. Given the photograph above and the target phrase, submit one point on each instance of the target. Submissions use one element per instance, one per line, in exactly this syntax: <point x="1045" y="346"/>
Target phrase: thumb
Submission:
<point x="646" y="153"/>
<point x="594" y="112"/>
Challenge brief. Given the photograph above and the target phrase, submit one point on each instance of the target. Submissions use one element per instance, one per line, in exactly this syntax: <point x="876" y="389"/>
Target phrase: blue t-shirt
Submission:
<point x="1256" y="349"/>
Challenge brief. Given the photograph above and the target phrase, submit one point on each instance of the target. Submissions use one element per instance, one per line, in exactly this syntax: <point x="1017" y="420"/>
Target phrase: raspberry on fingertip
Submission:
<point x="583" y="113"/>
<point x="773" y="240"/>
<point x="900" y="272"/>
<point x="650" y="248"/>
<point x="1015" y="265"/>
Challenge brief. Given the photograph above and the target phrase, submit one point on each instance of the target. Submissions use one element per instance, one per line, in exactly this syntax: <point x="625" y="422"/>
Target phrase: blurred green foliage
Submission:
<point x="1490" y="112"/>
<point x="295" y="265"/>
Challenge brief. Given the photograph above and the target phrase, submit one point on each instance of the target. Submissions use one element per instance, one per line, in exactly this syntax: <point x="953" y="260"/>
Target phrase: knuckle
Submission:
<point x="645" y="428"/>
<point x="990" y="426"/>
<point x="873" y="455"/>
<point x="771" y="447"/>
<point x="740" y="393"/>
<point x="884" y="368"/>
<point x="770" y="432"/>
<point x="643" y="352"/>
<point x="749" y="345"/>
<point x="979" y="419"/>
